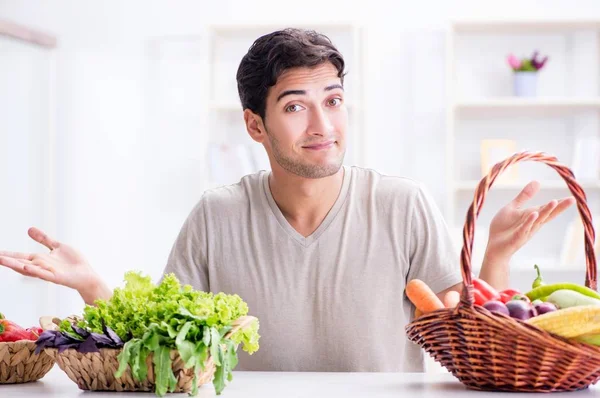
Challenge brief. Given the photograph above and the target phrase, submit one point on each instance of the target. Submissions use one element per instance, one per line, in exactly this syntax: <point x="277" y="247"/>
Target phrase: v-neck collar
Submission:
<point x="308" y="240"/>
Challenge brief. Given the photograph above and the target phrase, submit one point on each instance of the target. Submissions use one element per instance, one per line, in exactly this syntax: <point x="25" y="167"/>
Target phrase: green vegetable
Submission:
<point x="593" y="339"/>
<point x="538" y="281"/>
<point x="155" y="319"/>
<point x="545" y="290"/>
<point x="565" y="298"/>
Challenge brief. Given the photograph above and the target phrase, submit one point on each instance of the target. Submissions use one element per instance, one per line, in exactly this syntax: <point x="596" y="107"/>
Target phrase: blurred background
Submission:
<point x="115" y="116"/>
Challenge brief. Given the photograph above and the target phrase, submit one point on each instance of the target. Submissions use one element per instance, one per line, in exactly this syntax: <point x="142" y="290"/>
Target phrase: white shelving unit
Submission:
<point x="227" y="45"/>
<point x="480" y="105"/>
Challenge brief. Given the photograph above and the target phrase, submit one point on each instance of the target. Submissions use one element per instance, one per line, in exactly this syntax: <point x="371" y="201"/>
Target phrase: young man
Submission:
<point x="320" y="252"/>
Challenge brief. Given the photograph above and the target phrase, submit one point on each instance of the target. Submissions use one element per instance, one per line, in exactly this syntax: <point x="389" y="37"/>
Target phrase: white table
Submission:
<point x="291" y="385"/>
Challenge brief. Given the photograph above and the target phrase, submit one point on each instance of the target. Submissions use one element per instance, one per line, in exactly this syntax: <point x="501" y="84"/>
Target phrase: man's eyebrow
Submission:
<point x="334" y="86"/>
<point x="303" y="92"/>
<point x="291" y="92"/>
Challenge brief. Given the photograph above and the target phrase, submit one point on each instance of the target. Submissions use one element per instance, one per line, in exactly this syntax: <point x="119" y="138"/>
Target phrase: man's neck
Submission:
<point x="305" y="202"/>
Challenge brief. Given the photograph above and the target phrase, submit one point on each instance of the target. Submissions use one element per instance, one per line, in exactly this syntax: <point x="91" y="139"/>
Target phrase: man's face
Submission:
<point x="306" y="121"/>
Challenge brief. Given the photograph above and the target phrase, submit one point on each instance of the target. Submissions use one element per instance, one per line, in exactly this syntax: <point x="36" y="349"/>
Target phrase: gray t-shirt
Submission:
<point x="332" y="301"/>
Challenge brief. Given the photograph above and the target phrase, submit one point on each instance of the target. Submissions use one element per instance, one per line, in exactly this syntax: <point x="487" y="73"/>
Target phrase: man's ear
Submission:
<point x="255" y="126"/>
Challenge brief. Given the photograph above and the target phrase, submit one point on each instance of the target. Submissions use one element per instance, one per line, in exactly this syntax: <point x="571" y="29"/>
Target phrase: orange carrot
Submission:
<point x="451" y="299"/>
<point x="422" y="296"/>
<point x="418" y="313"/>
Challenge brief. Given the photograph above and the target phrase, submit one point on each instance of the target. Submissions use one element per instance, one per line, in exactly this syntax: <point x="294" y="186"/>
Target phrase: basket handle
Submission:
<point x="241" y="323"/>
<point x="480" y="193"/>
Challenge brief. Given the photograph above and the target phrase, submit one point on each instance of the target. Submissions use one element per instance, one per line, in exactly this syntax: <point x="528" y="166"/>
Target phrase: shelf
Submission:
<point x="469" y="185"/>
<point x="548" y="105"/>
<point x="523" y="26"/>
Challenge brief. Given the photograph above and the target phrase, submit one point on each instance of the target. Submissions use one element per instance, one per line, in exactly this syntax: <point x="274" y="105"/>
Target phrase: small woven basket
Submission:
<point x="20" y="364"/>
<point x="495" y="352"/>
<point x="96" y="371"/>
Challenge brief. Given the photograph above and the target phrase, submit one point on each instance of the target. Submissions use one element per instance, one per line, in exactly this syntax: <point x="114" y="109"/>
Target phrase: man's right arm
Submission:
<point x="62" y="265"/>
<point x="66" y="266"/>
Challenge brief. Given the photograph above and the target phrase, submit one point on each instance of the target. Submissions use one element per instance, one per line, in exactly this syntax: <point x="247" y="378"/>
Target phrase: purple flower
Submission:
<point x="540" y="65"/>
<point x="537" y="64"/>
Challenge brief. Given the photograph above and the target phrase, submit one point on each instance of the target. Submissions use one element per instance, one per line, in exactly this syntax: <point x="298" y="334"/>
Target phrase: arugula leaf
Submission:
<point x="232" y="357"/>
<point x="164" y="373"/>
<point x="201" y="354"/>
<point x="219" y="380"/>
<point x="215" y="346"/>
<point x="135" y="360"/>
<point x="124" y="357"/>
<point x="183" y="333"/>
<point x="206" y="336"/>
<point x="142" y="366"/>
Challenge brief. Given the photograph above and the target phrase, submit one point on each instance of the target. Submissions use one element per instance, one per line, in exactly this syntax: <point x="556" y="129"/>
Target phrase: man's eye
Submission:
<point x="293" y="108"/>
<point x="335" y="101"/>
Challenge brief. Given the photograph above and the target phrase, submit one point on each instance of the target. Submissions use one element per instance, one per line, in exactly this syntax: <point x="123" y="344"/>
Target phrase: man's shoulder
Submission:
<point x="384" y="185"/>
<point x="236" y="195"/>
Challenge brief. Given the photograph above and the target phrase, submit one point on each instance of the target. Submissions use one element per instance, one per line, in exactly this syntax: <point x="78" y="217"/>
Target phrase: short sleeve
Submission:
<point x="188" y="256"/>
<point x="433" y="257"/>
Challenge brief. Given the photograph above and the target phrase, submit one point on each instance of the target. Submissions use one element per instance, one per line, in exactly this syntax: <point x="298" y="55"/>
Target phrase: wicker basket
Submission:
<point x="20" y="364"/>
<point x="95" y="371"/>
<point x="488" y="351"/>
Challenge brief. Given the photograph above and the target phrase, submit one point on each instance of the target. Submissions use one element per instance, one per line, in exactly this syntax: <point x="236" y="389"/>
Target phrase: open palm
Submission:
<point x="63" y="265"/>
<point x="513" y="225"/>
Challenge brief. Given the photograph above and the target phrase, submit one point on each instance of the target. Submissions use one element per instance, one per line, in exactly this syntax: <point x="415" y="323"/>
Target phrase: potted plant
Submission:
<point x="525" y="73"/>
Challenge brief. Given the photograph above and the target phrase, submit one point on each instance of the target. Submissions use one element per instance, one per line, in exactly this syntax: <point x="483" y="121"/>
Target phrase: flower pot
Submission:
<point x="525" y="84"/>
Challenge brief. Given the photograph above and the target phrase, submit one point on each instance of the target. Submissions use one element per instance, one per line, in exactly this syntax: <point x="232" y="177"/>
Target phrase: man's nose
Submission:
<point x="320" y="123"/>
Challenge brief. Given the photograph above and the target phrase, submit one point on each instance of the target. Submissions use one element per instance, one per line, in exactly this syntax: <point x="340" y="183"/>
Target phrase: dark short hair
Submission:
<point x="274" y="53"/>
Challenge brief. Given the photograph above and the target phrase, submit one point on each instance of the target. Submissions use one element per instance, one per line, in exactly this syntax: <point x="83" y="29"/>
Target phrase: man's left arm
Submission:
<point x="510" y="229"/>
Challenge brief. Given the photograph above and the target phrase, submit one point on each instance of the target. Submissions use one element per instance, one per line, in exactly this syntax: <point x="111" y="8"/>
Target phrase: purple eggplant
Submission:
<point x="496" y="306"/>
<point x="545" y="307"/>
<point x="520" y="309"/>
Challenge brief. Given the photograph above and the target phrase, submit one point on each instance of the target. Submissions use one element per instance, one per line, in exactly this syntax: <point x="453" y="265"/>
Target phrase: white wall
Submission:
<point x="129" y="162"/>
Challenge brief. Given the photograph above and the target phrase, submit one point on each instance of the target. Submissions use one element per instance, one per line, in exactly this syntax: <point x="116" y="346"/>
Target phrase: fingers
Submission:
<point x="563" y="205"/>
<point x="40" y="267"/>
<point x="41" y="237"/>
<point x="525" y="228"/>
<point x="17" y="261"/>
<point x="43" y="261"/>
<point x="16" y="255"/>
<point x="544" y="213"/>
<point x="550" y="210"/>
<point x="38" y="272"/>
<point x="526" y="194"/>
<point x="12" y="263"/>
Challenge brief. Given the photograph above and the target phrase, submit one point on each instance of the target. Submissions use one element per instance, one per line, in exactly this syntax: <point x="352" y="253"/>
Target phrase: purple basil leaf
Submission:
<point x="101" y="339"/>
<point x="67" y="346"/>
<point x="89" y="345"/>
<point x="113" y="336"/>
<point x="80" y="331"/>
<point x="47" y="335"/>
<point x="62" y="339"/>
<point x="40" y="345"/>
